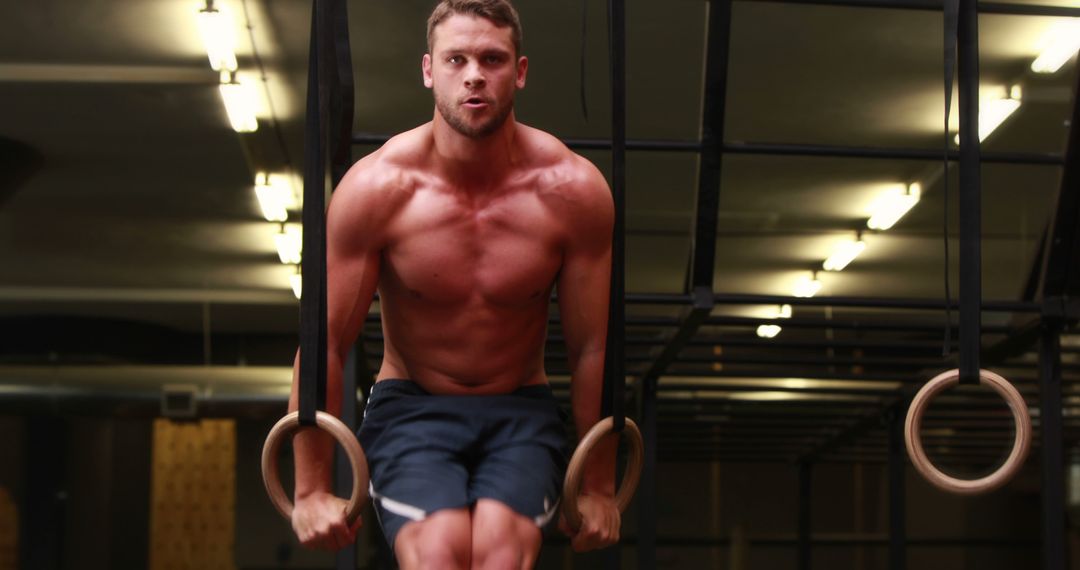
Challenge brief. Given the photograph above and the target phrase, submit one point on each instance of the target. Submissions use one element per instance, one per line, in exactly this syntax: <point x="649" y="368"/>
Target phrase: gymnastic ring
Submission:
<point x="1021" y="444"/>
<point x="576" y="469"/>
<point x="328" y="423"/>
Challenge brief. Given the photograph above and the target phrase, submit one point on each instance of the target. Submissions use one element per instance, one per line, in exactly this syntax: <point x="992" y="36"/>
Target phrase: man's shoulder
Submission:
<point x="565" y="179"/>
<point x="387" y="175"/>
<point x="562" y="170"/>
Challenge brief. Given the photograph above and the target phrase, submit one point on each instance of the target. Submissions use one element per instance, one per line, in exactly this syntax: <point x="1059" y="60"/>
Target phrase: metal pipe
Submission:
<point x="782" y="149"/>
<point x="868" y="325"/>
<point x="870" y="302"/>
<point x="935" y="6"/>
<point x="345" y="559"/>
<point x="808" y="150"/>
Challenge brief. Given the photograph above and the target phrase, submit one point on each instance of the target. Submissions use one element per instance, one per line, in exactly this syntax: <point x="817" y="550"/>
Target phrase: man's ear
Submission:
<point x="522" y="71"/>
<point x="425" y="65"/>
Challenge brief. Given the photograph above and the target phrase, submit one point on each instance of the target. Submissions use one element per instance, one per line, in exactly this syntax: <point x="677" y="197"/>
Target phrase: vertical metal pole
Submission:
<point x="44" y="497"/>
<point x="970" y="209"/>
<point x="897" y="491"/>
<point x="805" y="514"/>
<point x="346" y="557"/>
<point x="647" y="488"/>
<point x="703" y="262"/>
<point x="717" y="47"/>
<point x="1053" y="447"/>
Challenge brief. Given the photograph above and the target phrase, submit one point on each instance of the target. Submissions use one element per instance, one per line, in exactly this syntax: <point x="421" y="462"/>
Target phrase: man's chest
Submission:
<point x="506" y="252"/>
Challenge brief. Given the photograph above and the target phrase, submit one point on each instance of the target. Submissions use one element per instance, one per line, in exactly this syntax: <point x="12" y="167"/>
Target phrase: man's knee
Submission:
<point x="440" y="541"/>
<point x="502" y="538"/>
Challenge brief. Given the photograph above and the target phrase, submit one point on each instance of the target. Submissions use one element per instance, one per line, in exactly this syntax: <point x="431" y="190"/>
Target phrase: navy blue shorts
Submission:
<point x="429" y="452"/>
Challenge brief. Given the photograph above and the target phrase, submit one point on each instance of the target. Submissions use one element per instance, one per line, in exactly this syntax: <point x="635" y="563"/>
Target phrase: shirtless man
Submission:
<point x="464" y="225"/>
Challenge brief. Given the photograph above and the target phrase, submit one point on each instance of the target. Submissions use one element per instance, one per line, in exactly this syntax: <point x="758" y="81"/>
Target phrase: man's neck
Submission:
<point x="474" y="162"/>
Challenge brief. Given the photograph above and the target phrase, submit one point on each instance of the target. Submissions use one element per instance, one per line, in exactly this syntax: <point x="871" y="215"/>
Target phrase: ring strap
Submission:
<point x="614" y="357"/>
<point x="962" y="51"/>
<point x="312" y="380"/>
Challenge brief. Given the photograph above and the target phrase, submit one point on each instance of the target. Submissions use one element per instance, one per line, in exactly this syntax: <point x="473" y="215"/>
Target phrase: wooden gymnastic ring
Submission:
<point x="576" y="469"/>
<point x="1021" y="444"/>
<point x="285" y="427"/>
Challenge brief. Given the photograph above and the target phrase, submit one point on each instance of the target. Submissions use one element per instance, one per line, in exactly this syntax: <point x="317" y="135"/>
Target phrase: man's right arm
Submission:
<point x="355" y="236"/>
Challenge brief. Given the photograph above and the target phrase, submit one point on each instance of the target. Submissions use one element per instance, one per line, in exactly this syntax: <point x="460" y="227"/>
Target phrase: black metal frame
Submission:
<point x="1054" y="311"/>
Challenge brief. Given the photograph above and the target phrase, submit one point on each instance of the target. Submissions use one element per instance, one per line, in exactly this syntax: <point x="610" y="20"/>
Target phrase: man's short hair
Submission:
<point x="499" y="12"/>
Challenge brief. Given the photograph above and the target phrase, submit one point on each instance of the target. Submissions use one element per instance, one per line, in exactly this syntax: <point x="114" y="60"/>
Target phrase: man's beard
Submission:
<point x="454" y="117"/>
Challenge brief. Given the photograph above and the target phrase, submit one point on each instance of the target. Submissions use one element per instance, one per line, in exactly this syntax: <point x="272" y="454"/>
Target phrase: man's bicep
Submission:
<point x="355" y="239"/>
<point x="584" y="285"/>
<point x="350" y="287"/>
<point x="585" y="279"/>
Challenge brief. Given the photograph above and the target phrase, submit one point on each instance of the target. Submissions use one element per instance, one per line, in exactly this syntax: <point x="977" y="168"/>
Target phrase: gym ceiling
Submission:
<point x="132" y="245"/>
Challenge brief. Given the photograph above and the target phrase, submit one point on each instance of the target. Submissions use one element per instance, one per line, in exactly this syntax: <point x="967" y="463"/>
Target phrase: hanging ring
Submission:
<point x="285" y="427"/>
<point x="1021" y="443"/>
<point x="576" y="470"/>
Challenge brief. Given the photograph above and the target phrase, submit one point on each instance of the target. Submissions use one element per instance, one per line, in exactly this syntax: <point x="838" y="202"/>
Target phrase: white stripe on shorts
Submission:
<point x="549" y="511"/>
<point x="397" y="507"/>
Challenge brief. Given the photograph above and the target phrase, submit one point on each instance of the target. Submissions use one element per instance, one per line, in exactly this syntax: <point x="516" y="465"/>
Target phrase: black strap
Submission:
<point x="341" y="99"/>
<point x="970" y="200"/>
<point x="584" y="44"/>
<point x="614" y="358"/>
<point x="312" y="389"/>
<point x="952" y="17"/>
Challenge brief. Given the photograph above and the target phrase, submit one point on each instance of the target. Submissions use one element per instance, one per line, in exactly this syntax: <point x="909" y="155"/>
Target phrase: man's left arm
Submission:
<point x="584" y="288"/>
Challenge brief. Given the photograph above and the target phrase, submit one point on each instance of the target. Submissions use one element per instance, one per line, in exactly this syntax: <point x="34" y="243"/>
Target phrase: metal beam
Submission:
<point x="1059" y="276"/>
<point x="80" y="73"/>
<point x="849" y="434"/>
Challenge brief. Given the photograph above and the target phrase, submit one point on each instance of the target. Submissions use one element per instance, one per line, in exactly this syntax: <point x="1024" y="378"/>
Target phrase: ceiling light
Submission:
<point x="844" y="253"/>
<point x="216" y="29"/>
<point x="297" y="282"/>
<point x="240" y="101"/>
<point x="994" y="109"/>
<point x="276" y="196"/>
<point x="892" y="204"/>
<point x="768" y="331"/>
<point x="783" y="312"/>
<point x="290" y="243"/>
<point x="1060" y="42"/>
<point x="807" y="286"/>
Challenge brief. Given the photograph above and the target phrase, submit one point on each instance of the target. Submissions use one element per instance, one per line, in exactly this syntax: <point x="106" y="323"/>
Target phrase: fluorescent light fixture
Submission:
<point x="297" y="283"/>
<point x="1060" y="42"/>
<point x="768" y="331"/>
<point x="276" y="196"/>
<point x="892" y="204"/>
<point x="290" y="243"/>
<point x="844" y="253"/>
<point x="807" y="286"/>
<point x="994" y="109"/>
<point x="216" y="29"/>
<point x="240" y="101"/>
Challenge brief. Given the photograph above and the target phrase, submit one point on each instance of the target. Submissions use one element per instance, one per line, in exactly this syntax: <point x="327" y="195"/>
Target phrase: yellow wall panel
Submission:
<point x="192" y="519"/>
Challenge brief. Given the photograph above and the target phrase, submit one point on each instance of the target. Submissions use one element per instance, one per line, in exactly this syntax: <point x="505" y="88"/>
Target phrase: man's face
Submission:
<point x="473" y="73"/>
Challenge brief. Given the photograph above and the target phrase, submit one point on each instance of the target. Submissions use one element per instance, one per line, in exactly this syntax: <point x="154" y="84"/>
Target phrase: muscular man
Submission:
<point x="464" y="225"/>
